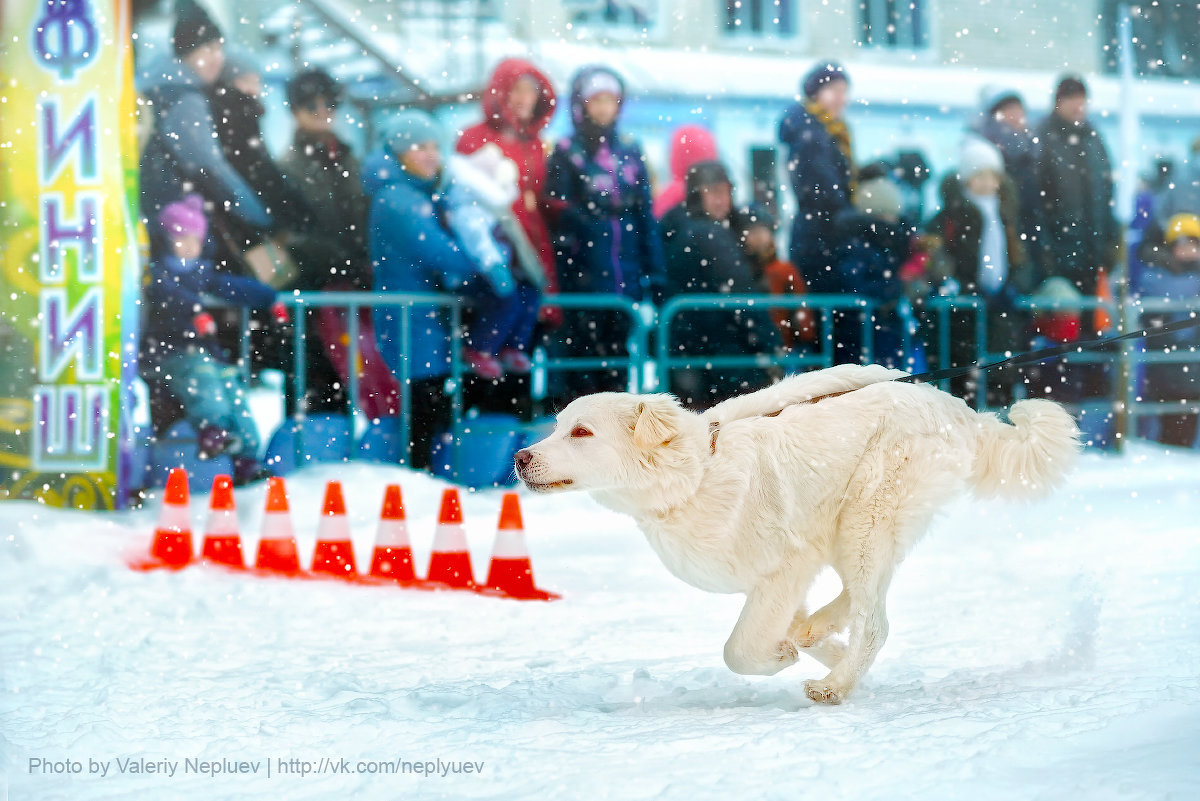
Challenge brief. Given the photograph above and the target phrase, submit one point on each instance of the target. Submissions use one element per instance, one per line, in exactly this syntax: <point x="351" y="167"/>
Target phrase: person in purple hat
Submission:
<point x="180" y="354"/>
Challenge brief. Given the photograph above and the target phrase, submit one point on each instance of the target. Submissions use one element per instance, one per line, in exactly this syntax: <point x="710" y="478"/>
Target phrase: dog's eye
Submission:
<point x="580" y="431"/>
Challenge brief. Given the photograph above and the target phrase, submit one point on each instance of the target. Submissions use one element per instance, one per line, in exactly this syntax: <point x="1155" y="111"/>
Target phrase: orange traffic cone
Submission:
<point x="222" y="543"/>
<point x="173" y="537"/>
<point x="393" y="551"/>
<point x="450" y="563"/>
<point x="334" y="553"/>
<point x="511" y="572"/>
<point x="277" y="546"/>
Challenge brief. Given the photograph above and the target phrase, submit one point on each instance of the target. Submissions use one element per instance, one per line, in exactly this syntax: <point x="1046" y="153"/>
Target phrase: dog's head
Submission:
<point x="614" y="441"/>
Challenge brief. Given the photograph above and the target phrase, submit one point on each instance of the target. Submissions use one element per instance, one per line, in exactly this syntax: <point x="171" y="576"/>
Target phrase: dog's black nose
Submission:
<point x="524" y="457"/>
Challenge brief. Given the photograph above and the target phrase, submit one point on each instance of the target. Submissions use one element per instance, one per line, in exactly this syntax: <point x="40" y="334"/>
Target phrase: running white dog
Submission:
<point x="842" y="467"/>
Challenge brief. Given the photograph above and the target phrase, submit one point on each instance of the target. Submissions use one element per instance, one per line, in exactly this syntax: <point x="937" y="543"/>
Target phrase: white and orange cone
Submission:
<point x="393" y="552"/>
<point x="334" y="553"/>
<point x="511" y="571"/>
<point x="222" y="543"/>
<point x="450" y="563"/>
<point x="277" y="545"/>
<point x="173" y="536"/>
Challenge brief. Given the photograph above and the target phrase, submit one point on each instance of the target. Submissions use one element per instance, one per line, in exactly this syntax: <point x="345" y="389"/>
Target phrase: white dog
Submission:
<point x="842" y="467"/>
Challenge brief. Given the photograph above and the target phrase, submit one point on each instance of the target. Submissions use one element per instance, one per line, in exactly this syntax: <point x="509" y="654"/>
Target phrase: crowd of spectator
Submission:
<point x="506" y="223"/>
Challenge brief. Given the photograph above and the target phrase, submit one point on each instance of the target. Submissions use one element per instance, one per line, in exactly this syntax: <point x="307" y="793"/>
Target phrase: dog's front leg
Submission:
<point x="759" y="645"/>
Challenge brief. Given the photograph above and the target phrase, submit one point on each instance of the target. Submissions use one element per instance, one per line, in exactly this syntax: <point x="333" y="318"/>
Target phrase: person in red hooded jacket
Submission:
<point x="690" y="144"/>
<point x="517" y="104"/>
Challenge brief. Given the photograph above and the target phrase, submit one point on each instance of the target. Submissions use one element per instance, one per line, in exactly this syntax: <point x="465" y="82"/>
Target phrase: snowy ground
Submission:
<point x="1037" y="652"/>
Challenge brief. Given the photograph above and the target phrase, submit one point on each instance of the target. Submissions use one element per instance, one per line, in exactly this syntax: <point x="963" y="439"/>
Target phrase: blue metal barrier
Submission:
<point x="637" y="345"/>
<point x="795" y="360"/>
<point x="643" y="317"/>
<point x="351" y="302"/>
<point x="942" y="307"/>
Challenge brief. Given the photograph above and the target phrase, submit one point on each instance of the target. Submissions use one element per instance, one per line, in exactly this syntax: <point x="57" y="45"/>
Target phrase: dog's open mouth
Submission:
<point x="546" y="487"/>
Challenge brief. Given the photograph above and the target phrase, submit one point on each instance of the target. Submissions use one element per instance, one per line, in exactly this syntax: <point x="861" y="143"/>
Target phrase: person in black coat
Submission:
<point x="871" y="246"/>
<point x="1080" y="235"/>
<point x="983" y="254"/>
<point x="237" y="110"/>
<point x="704" y="255"/>
<point x="821" y="170"/>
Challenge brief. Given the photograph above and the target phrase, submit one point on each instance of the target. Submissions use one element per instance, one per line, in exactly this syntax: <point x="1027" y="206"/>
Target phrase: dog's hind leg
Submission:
<point x="865" y="559"/>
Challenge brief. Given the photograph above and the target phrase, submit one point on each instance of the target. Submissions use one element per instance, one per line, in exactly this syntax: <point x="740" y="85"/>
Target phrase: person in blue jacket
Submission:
<point x="413" y="250"/>
<point x="179" y="352"/>
<point x="1174" y="276"/>
<point x="602" y="228"/>
<point x="183" y="153"/>
<point x="821" y="169"/>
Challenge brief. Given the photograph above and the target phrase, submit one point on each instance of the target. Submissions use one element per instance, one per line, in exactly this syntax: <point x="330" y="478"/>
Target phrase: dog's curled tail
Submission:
<point x="1027" y="458"/>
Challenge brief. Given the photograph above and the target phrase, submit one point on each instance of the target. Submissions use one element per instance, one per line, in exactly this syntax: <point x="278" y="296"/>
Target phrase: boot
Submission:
<point x="247" y="470"/>
<point x="211" y="441"/>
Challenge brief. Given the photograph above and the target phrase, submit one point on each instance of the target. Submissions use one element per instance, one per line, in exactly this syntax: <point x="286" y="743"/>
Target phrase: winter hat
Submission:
<point x="599" y="81"/>
<point x="824" y="73"/>
<point x="307" y="86"/>
<point x="1183" y="226"/>
<point x="977" y="155"/>
<point x="193" y="28"/>
<point x="879" y="197"/>
<point x="700" y="175"/>
<point x="992" y="98"/>
<point x="412" y="127"/>
<point x="184" y="216"/>
<point x="237" y="64"/>
<point x="1070" y="86"/>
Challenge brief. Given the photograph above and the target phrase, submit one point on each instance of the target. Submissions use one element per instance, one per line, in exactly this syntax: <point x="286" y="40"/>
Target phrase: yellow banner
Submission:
<point x="68" y="250"/>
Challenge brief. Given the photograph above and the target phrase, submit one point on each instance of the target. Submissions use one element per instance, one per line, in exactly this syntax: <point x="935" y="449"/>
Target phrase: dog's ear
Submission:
<point x="657" y="421"/>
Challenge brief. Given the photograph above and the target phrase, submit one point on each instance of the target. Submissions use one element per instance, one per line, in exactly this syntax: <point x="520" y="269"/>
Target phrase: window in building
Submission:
<point x="632" y="14"/>
<point x="1165" y="33"/>
<point x="760" y="17"/>
<point x="763" y="176"/>
<point x="894" y="24"/>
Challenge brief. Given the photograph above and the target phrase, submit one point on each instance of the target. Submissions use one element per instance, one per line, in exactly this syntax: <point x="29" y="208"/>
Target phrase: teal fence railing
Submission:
<point x="651" y="355"/>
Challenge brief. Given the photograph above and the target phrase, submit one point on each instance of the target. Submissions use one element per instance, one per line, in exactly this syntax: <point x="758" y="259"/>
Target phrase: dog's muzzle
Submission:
<point x="522" y="461"/>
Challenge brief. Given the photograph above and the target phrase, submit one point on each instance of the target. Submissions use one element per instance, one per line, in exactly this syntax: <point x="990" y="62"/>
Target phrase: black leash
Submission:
<point x="1042" y="355"/>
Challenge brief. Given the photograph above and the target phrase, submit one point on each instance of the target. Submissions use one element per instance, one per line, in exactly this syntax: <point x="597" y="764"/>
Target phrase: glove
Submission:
<point x="551" y="316"/>
<point x="280" y="313"/>
<point x="204" y="324"/>
<point x="949" y="287"/>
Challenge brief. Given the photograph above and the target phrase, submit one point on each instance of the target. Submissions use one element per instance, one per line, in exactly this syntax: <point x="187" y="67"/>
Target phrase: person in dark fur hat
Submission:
<point x="704" y="255"/>
<point x="194" y="29"/>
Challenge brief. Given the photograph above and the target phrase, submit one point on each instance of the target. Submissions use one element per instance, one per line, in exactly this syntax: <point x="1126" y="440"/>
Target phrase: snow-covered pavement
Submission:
<point x="1045" y="651"/>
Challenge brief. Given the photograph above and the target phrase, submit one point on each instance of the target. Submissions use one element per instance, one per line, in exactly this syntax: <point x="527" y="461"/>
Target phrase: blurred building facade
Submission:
<point x="917" y="66"/>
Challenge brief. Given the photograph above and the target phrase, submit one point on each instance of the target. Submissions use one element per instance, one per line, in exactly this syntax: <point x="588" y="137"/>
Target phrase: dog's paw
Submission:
<point x="823" y="693"/>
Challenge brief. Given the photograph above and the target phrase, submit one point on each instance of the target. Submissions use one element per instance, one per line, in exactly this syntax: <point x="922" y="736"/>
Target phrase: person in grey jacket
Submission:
<point x="184" y="154"/>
